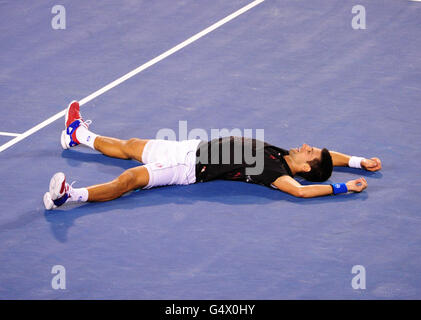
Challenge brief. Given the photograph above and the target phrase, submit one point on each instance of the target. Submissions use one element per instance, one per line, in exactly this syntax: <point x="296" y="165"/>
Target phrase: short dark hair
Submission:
<point x="321" y="169"/>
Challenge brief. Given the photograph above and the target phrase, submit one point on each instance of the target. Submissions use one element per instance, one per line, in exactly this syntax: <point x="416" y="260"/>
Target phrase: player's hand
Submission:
<point x="373" y="164"/>
<point x="356" y="185"/>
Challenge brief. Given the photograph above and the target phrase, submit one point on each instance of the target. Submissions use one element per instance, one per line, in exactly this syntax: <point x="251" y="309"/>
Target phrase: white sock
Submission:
<point x="86" y="137"/>
<point x="78" y="195"/>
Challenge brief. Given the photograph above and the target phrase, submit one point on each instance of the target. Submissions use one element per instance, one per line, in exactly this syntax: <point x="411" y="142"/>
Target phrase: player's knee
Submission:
<point x="126" y="181"/>
<point x="133" y="143"/>
<point x="132" y="147"/>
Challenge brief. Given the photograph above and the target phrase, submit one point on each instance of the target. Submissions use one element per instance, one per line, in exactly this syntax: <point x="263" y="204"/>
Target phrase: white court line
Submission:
<point x="148" y="64"/>
<point x="9" y="134"/>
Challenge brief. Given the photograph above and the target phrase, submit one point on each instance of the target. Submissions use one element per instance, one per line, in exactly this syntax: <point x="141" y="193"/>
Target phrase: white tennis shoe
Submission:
<point x="59" y="192"/>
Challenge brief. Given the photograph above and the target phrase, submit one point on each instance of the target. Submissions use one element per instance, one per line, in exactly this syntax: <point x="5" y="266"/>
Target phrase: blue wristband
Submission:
<point x="339" y="188"/>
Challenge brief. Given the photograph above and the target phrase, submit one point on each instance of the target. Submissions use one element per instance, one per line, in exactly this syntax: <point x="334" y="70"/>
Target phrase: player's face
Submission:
<point x="305" y="153"/>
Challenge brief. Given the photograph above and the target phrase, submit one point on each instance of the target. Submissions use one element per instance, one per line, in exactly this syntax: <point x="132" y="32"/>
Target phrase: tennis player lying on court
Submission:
<point x="190" y="161"/>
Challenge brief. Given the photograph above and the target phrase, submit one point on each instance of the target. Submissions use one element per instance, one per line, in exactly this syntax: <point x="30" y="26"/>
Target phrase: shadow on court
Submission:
<point x="221" y="192"/>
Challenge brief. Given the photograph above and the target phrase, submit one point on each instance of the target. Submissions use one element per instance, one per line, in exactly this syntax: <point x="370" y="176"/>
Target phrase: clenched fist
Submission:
<point x="373" y="164"/>
<point x="356" y="185"/>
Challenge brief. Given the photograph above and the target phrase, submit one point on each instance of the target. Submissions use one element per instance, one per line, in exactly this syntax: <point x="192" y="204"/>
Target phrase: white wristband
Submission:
<point x="355" y="162"/>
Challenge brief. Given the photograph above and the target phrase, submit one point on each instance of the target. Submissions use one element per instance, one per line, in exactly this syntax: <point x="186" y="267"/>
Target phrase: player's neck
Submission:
<point x="291" y="164"/>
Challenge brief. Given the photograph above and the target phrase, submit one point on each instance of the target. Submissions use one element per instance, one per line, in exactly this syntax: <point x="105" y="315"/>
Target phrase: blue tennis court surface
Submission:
<point x="296" y="69"/>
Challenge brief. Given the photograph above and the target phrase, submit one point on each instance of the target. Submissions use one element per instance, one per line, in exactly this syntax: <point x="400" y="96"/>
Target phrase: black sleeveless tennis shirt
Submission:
<point x="274" y="162"/>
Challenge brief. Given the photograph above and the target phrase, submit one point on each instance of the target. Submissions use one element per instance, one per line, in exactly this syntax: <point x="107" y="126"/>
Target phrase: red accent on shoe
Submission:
<point x="63" y="186"/>
<point x="73" y="113"/>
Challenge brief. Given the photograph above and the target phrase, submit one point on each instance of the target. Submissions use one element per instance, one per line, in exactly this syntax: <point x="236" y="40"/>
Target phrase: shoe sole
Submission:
<point x="56" y="185"/>
<point x="48" y="203"/>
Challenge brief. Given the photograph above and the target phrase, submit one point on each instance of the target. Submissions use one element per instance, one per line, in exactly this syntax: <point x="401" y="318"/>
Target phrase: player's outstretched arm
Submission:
<point x="290" y="185"/>
<point x="344" y="160"/>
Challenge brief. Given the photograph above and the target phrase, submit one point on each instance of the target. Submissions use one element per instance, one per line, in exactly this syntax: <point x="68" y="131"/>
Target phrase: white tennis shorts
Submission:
<point x="170" y="162"/>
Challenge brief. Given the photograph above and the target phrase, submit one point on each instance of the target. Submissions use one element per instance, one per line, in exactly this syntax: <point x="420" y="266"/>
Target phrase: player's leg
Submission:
<point x="144" y="150"/>
<point x="129" y="180"/>
<point x="61" y="192"/>
<point x="122" y="149"/>
<point x="150" y="175"/>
